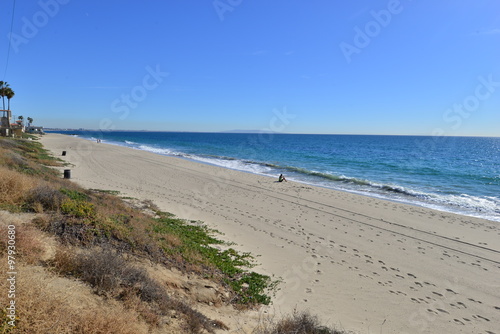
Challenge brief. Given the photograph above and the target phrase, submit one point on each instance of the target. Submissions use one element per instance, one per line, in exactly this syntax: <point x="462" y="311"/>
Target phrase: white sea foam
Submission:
<point x="234" y="164"/>
<point x="157" y="150"/>
<point x="483" y="207"/>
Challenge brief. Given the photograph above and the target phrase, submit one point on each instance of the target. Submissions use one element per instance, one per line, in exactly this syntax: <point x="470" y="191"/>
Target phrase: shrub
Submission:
<point x="297" y="323"/>
<point x="109" y="274"/>
<point x="45" y="197"/>
<point x="78" y="209"/>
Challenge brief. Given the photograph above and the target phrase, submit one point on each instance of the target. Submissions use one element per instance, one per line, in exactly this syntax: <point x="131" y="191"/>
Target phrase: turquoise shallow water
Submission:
<point x="457" y="174"/>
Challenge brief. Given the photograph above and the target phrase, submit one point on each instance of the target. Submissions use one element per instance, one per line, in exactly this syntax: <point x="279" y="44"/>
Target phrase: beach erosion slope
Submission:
<point x="359" y="263"/>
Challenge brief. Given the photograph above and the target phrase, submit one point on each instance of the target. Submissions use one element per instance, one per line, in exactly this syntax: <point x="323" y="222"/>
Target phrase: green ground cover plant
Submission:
<point x="95" y="219"/>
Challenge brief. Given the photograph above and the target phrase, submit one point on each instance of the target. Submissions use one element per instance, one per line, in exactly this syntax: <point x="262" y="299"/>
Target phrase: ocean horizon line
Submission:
<point x="270" y="132"/>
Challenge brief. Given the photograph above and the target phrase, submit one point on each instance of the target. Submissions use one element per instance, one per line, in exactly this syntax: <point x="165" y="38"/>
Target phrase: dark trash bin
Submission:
<point x="64" y="153"/>
<point x="67" y="173"/>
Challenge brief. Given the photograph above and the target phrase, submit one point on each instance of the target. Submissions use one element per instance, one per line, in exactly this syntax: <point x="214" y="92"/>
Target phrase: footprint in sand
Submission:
<point x="459" y="322"/>
<point x="365" y="276"/>
<point x="475" y="301"/>
<point x="419" y="284"/>
<point x="480" y="317"/>
<point x="453" y="292"/>
<point x="437" y="293"/>
<point x="411" y="275"/>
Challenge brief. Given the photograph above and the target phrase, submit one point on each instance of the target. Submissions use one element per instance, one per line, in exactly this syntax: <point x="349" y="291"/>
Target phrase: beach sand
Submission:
<point x="359" y="263"/>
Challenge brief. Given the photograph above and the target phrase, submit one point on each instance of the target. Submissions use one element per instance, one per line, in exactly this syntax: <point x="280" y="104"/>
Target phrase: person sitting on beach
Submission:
<point x="282" y="178"/>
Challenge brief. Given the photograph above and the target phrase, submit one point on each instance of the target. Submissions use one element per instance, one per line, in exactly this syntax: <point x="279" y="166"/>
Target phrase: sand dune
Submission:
<point x="359" y="263"/>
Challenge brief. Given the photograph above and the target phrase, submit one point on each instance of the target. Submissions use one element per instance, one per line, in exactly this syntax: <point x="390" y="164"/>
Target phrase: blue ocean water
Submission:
<point x="457" y="174"/>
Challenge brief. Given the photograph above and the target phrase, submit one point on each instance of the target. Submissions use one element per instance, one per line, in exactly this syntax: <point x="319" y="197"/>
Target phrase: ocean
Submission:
<point x="453" y="174"/>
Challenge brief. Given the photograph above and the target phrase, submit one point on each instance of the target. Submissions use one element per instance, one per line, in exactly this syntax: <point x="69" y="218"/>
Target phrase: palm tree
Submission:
<point x="3" y="87"/>
<point x="30" y="121"/>
<point x="9" y="93"/>
<point x="21" y="119"/>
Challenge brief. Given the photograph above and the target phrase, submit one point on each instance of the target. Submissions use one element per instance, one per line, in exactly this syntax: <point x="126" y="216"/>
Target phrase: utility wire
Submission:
<point x="10" y="39"/>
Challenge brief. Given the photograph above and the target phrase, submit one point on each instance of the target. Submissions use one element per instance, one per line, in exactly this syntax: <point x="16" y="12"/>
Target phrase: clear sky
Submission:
<point x="326" y="66"/>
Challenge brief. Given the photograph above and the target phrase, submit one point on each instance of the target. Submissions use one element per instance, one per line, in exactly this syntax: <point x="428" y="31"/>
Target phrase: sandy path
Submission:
<point x="360" y="263"/>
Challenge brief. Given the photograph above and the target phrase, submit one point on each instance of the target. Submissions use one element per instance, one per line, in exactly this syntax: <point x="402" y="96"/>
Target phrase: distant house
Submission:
<point x="17" y="128"/>
<point x="35" y="129"/>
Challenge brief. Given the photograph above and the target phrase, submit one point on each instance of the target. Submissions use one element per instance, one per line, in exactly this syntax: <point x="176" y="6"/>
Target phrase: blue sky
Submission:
<point x="324" y="66"/>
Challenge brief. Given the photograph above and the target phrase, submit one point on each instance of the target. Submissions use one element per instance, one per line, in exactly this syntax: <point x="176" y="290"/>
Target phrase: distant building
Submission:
<point x="8" y="129"/>
<point x="5" y="126"/>
<point x="17" y="128"/>
<point x="35" y="129"/>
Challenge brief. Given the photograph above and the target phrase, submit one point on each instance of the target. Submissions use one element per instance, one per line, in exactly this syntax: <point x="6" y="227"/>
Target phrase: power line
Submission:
<point x="10" y="39"/>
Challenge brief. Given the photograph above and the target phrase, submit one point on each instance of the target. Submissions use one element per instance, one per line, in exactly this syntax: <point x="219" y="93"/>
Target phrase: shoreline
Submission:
<point x="356" y="261"/>
<point x="389" y="192"/>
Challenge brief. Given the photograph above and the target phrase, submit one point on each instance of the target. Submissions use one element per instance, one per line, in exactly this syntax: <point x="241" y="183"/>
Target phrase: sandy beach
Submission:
<point x="359" y="263"/>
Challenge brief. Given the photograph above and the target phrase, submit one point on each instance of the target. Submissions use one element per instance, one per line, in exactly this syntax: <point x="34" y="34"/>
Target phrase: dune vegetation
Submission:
<point x="94" y="241"/>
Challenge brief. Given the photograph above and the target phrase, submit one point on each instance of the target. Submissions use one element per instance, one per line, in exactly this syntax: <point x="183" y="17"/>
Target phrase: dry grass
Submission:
<point x="29" y="246"/>
<point x="130" y="301"/>
<point x="112" y="276"/>
<point x="43" y="310"/>
<point x="14" y="186"/>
